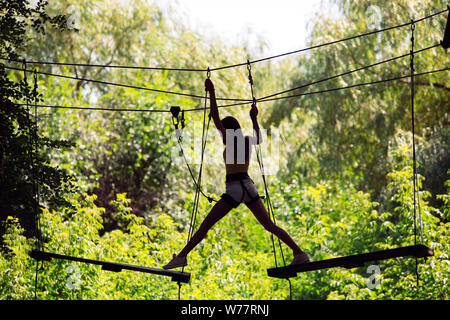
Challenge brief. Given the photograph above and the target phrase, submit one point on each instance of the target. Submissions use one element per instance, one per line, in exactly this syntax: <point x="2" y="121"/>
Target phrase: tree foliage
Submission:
<point x="21" y="162"/>
<point x="122" y="193"/>
<point x="351" y="130"/>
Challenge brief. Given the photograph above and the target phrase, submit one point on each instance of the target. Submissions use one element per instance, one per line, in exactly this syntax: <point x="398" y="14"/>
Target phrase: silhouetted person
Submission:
<point x="239" y="187"/>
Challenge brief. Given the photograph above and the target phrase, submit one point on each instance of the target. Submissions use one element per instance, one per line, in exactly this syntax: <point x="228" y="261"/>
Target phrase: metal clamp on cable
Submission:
<point x="177" y="120"/>
<point x="35" y="93"/>
<point x="249" y="68"/>
<point x="175" y="110"/>
<point x="411" y="63"/>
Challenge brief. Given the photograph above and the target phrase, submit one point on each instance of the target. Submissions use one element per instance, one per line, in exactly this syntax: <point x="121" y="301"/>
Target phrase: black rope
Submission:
<point x="271" y="214"/>
<point x="270" y="97"/>
<point x="34" y="165"/>
<point x="345" y="73"/>
<point x="25" y="83"/>
<point x="267" y="198"/>
<point x="199" y="180"/>
<point x="99" y="109"/>
<point x="178" y="121"/>
<point x="413" y="128"/>
<point x="233" y="65"/>
<point x="326" y="90"/>
<point x="106" y="66"/>
<point x="415" y="182"/>
<point x="258" y="150"/>
<point x="36" y="161"/>
<point x="356" y="85"/>
<point x="210" y="199"/>
<point x="198" y="183"/>
<point x="244" y="103"/>
<point x="122" y="85"/>
<point x="264" y="99"/>
<point x="333" y="42"/>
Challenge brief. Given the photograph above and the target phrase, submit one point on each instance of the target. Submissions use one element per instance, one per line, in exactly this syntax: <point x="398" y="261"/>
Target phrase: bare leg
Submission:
<point x="261" y="214"/>
<point x="220" y="210"/>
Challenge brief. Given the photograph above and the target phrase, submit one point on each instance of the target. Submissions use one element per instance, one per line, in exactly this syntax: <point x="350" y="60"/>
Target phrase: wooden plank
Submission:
<point x="177" y="276"/>
<point x="349" y="262"/>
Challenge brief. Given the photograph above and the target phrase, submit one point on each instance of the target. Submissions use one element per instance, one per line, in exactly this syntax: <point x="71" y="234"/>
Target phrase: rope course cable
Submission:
<point x="121" y="85"/>
<point x="36" y="179"/>
<point x="270" y="97"/>
<point x="241" y="101"/>
<point x="34" y="164"/>
<point x="268" y="201"/>
<point x="245" y="103"/>
<point x="415" y="175"/>
<point x="31" y="167"/>
<point x="197" y="183"/>
<point x="333" y="42"/>
<point x="177" y="121"/>
<point x="347" y="72"/>
<point x="266" y="98"/>
<point x="99" y="108"/>
<point x="34" y="156"/>
<point x="330" y="90"/>
<point x="233" y="65"/>
<point x="106" y="66"/>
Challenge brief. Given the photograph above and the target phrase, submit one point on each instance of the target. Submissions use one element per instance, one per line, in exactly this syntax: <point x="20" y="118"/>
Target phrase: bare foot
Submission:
<point x="300" y="258"/>
<point x="176" y="262"/>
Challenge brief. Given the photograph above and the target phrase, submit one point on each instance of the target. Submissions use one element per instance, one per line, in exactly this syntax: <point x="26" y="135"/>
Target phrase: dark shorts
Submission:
<point x="244" y="191"/>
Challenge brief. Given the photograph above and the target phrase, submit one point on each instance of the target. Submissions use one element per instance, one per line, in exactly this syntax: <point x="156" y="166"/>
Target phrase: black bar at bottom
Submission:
<point x="177" y="276"/>
<point x="418" y="251"/>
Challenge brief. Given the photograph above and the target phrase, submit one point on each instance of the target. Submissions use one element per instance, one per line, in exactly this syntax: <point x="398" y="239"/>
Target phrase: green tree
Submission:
<point x="124" y="152"/>
<point x="349" y="131"/>
<point x="21" y="163"/>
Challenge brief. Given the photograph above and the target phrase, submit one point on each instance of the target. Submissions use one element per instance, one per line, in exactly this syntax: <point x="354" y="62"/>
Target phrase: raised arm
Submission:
<point x="256" y="130"/>
<point x="209" y="86"/>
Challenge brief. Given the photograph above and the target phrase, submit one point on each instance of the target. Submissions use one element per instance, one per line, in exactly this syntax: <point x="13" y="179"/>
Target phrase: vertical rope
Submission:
<point x="266" y="190"/>
<point x="37" y="193"/>
<point x="415" y="184"/>
<point x="205" y="128"/>
<point x="35" y="169"/>
<point x="25" y="83"/>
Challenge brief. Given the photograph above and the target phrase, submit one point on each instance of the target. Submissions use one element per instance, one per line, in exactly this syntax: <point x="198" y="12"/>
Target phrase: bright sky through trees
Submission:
<point x="281" y="24"/>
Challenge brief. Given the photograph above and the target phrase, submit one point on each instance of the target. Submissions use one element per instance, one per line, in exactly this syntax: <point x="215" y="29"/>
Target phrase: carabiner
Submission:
<point x="182" y="120"/>
<point x="175" y="110"/>
<point x="249" y="66"/>
<point x="35" y="82"/>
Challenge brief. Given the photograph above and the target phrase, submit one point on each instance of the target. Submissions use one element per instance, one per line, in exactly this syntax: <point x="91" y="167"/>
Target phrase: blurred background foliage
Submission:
<point x="345" y="180"/>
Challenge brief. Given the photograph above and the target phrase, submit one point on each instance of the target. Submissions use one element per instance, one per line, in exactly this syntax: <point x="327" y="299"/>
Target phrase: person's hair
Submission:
<point x="232" y="123"/>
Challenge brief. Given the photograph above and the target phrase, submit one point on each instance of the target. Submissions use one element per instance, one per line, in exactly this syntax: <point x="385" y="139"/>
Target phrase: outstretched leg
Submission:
<point x="261" y="214"/>
<point x="220" y="210"/>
